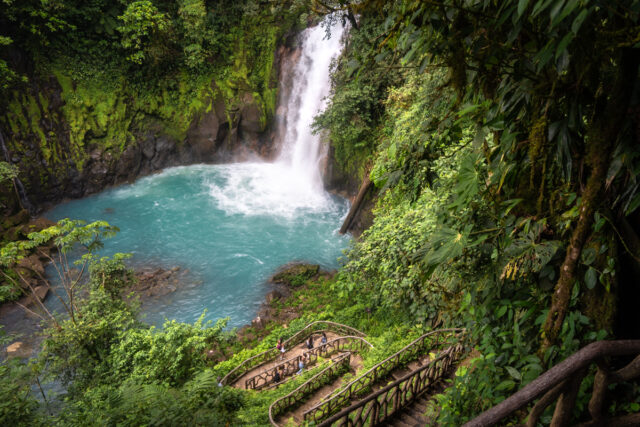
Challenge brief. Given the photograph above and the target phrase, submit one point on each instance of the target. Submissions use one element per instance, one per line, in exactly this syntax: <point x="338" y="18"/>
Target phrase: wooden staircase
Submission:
<point x="398" y="390"/>
<point x="413" y="415"/>
<point x="394" y="392"/>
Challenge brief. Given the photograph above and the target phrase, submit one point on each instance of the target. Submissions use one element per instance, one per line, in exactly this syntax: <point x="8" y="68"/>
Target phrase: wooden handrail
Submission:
<point x="276" y="408"/>
<point x="397" y="394"/>
<point x="371" y="376"/>
<point x="270" y="354"/>
<point x="558" y="381"/>
<point x="265" y="378"/>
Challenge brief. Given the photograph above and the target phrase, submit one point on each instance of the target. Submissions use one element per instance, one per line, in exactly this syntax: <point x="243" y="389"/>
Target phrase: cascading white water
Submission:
<point x="292" y="185"/>
<point x="301" y="149"/>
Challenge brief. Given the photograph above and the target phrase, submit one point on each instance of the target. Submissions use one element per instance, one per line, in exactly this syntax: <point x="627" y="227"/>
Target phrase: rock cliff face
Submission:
<point x="69" y="142"/>
<point x="54" y="166"/>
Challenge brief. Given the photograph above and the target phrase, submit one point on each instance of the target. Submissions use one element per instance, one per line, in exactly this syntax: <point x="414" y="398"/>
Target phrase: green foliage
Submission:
<point x="475" y="118"/>
<point x="296" y="275"/>
<point x="17" y="405"/>
<point x="193" y="15"/>
<point x="75" y="352"/>
<point x="8" y="77"/>
<point x="8" y="172"/>
<point x="416" y="131"/>
<point x="170" y="356"/>
<point x="199" y="402"/>
<point x="110" y="274"/>
<point x="65" y="235"/>
<point x="142" y="24"/>
<point x="478" y="172"/>
<point x="356" y="104"/>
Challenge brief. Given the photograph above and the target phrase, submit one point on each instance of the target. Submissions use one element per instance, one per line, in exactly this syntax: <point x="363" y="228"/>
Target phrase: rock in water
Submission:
<point x="19" y="349"/>
<point x="295" y="274"/>
<point x="14" y="347"/>
<point x="258" y="322"/>
<point x="41" y="292"/>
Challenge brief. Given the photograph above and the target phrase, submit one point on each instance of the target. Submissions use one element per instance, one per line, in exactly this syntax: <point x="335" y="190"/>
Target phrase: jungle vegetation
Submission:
<point x="502" y="137"/>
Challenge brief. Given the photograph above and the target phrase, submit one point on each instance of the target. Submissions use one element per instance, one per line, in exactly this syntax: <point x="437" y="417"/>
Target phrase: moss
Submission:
<point x="296" y="275"/>
<point x="537" y="139"/>
<point x="104" y="108"/>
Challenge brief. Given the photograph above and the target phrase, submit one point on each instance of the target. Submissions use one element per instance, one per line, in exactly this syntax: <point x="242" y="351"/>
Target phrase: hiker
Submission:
<point x="324" y="338"/>
<point x="310" y="342"/>
<point x="280" y="347"/>
<point x="276" y="376"/>
<point x="301" y="364"/>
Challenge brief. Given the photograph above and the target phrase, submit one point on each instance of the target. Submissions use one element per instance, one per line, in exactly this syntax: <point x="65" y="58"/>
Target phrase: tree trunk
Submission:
<point x="601" y="139"/>
<point x="357" y="203"/>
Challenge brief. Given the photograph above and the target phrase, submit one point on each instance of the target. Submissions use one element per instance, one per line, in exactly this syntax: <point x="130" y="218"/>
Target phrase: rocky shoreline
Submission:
<point x="151" y="282"/>
<point x="283" y="283"/>
<point x="154" y="282"/>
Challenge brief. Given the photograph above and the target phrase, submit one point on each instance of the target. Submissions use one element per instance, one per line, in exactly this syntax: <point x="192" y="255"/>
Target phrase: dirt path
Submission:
<point x="289" y="354"/>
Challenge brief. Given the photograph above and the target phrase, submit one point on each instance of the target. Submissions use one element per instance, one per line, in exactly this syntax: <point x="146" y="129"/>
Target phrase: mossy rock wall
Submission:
<point x="80" y="129"/>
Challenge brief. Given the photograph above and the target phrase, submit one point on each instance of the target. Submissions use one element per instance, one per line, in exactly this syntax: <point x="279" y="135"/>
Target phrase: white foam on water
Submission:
<point x="266" y="189"/>
<point x="292" y="185"/>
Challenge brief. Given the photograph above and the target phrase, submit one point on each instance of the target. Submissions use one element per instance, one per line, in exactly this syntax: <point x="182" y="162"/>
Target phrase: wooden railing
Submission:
<point x="290" y="366"/>
<point x="411" y="352"/>
<point x="335" y="369"/>
<point x="386" y="402"/>
<point x="297" y="338"/>
<point x="561" y="384"/>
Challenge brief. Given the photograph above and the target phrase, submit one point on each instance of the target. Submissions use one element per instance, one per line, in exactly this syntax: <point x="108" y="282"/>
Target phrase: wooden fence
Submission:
<point x="429" y="341"/>
<point x="561" y="384"/>
<point x="378" y="407"/>
<point x="290" y="366"/>
<point x="297" y="396"/>
<point x="297" y="338"/>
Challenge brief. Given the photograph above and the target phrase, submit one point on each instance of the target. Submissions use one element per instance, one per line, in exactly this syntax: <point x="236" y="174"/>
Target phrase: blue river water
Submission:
<point x="228" y="226"/>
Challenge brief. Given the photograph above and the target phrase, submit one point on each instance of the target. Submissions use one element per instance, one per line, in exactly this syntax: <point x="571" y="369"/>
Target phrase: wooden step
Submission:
<point x="399" y="373"/>
<point x="420" y="406"/>
<point x="424" y="399"/>
<point x="411" y="420"/>
<point x="400" y="423"/>
<point x="416" y="413"/>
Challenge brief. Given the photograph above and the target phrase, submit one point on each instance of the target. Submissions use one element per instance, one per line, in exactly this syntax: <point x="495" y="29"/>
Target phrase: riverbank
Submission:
<point x="20" y="320"/>
<point x="153" y="283"/>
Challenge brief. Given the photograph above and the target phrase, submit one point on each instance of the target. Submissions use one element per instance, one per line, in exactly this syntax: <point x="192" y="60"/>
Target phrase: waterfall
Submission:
<point x="292" y="185"/>
<point x="301" y="150"/>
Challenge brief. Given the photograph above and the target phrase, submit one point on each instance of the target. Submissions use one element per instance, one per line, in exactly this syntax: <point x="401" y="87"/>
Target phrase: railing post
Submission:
<point x="374" y="412"/>
<point x="566" y="401"/>
<point x="396" y="399"/>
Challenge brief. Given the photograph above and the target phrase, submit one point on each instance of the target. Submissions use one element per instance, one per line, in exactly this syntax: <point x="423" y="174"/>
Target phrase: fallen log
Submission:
<point x="357" y="203"/>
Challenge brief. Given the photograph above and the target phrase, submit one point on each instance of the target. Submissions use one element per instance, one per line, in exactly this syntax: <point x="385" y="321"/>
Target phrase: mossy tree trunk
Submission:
<point x="601" y="138"/>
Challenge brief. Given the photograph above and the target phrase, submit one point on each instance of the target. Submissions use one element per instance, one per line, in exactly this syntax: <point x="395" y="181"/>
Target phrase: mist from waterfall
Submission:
<point x="292" y="185"/>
